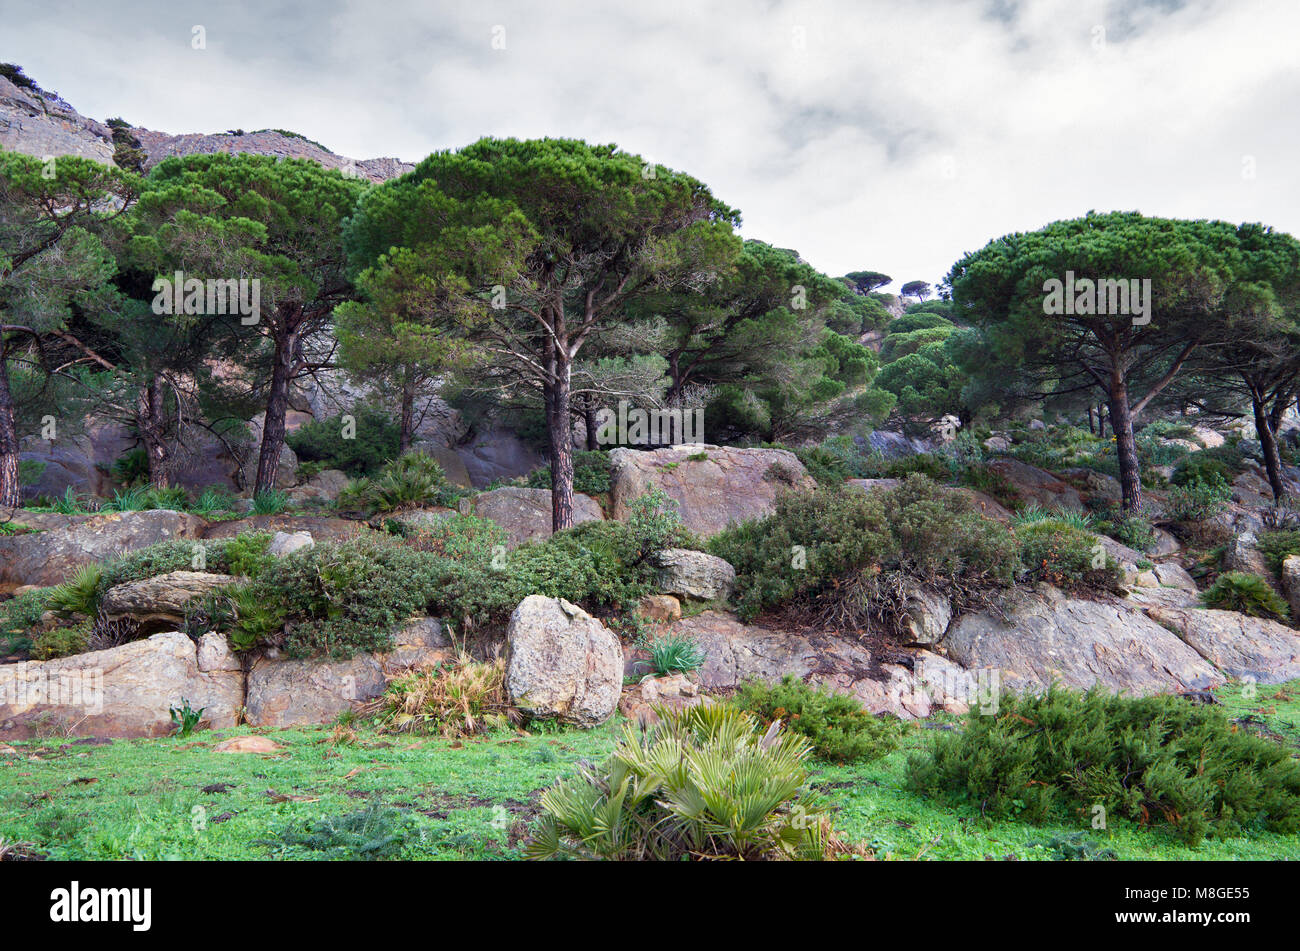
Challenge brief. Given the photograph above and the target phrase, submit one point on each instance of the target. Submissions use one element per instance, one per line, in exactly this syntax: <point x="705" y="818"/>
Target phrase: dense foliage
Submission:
<point x="1153" y="760"/>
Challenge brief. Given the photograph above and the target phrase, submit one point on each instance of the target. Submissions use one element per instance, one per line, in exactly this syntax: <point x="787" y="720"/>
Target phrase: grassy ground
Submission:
<point x="474" y="799"/>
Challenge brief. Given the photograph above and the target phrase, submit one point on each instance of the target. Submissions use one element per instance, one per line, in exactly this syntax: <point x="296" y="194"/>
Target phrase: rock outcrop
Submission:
<point x="1049" y="636"/>
<point x="50" y="556"/>
<point x="1242" y="647"/>
<point x="525" y="514"/>
<point x="158" y="603"/>
<point x="713" y="486"/>
<point x="125" y="691"/>
<point x="286" y="692"/>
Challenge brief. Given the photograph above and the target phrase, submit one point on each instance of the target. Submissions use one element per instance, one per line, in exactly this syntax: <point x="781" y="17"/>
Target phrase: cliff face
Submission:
<point x="41" y="124"/>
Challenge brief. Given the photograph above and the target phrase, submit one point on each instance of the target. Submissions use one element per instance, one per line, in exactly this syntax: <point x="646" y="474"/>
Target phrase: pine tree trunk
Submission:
<point x="408" y="414"/>
<point x="149" y="422"/>
<point x="1268" y="446"/>
<point x="1121" y="422"/>
<point x="561" y="448"/>
<point x="10" y="491"/>
<point x="589" y="420"/>
<point x="277" y="407"/>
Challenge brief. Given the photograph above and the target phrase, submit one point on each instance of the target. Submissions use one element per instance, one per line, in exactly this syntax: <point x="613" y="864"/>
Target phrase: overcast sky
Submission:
<point x="885" y="135"/>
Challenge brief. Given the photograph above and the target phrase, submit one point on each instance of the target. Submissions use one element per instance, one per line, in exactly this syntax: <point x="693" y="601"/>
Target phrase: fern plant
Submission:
<point x="1246" y="594"/>
<point x="79" y="594"/>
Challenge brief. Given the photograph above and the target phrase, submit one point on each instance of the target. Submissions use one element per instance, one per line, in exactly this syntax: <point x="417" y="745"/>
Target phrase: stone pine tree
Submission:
<point x="1258" y="357"/>
<point x="51" y="261"/>
<point x="1006" y="289"/>
<point x="400" y="335"/>
<point x="253" y="217"/>
<point x="584" y="229"/>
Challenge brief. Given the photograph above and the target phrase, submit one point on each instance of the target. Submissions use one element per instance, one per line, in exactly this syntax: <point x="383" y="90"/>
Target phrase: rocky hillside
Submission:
<point x="36" y="122"/>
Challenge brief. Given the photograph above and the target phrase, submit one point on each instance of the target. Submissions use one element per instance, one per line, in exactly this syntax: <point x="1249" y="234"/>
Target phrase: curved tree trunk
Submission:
<point x="1121" y="423"/>
<point x="277" y="407"/>
<point x="10" y="491"/>
<point x="1268" y="446"/>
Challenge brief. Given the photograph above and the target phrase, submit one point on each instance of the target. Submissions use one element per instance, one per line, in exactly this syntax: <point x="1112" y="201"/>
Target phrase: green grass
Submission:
<point x="474" y="799"/>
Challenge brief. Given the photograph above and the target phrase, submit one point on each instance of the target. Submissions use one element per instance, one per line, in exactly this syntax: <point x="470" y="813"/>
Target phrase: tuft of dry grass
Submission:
<point x="457" y="699"/>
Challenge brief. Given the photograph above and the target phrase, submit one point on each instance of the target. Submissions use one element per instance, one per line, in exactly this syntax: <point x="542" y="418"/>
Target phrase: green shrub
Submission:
<point x="61" y="641"/>
<point x="1199" y="467"/>
<point x="343" y="598"/>
<point x="320" y="443"/>
<point x="1197" y="501"/>
<point x="837" y="725"/>
<point x="702" y="783"/>
<point x="79" y="594"/>
<point x="812" y="540"/>
<point x="241" y="555"/>
<point x="375" y="833"/>
<point x="1246" y="594"/>
<point x="30" y="471"/>
<point x="269" y="502"/>
<point x="1276" y="545"/>
<point x="675" y="654"/>
<point x="19" y="617"/>
<point x="1065" y="555"/>
<point x="131" y="468"/>
<point x="1133" y="529"/>
<point x="590" y="474"/>
<point x="1151" y="759"/>
<point x="413" y="481"/>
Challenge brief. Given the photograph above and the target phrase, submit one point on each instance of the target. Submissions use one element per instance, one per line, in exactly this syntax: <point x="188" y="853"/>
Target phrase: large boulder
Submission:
<point x="158" y="603"/>
<point x="1046" y="636"/>
<point x="1038" y="486"/>
<point x="494" y="454"/>
<point x="1291" y="583"/>
<point x="125" y="691"/>
<point x="1243" y="554"/>
<point x="563" y="663"/>
<point x="525" y="514"/>
<point x="48" y="557"/>
<point x="695" y="574"/>
<point x="1241" y="646"/>
<point x="324" y="486"/>
<point x="735" y="652"/>
<point x="713" y="487"/>
<point x="284" y="693"/>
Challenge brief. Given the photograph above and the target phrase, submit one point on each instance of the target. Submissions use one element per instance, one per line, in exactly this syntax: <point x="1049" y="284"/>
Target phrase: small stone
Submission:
<point x="660" y="607"/>
<point x="248" y="744"/>
<point x="285" y="543"/>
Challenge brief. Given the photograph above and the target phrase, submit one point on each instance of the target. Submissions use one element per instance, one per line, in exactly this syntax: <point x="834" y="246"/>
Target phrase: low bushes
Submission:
<point x="244" y="554"/>
<point x="1197" y="500"/>
<point x="1276" y="545"/>
<point x="1246" y="594"/>
<point x="838" y="727"/>
<point x="812" y="540"/>
<point x="1153" y="760"/>
<point x="702" y="783"/>
<point x="1066" y="555"/>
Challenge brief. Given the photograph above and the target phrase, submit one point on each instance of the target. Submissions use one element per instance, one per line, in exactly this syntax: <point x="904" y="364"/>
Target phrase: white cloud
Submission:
<point x="882" y="135"/>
